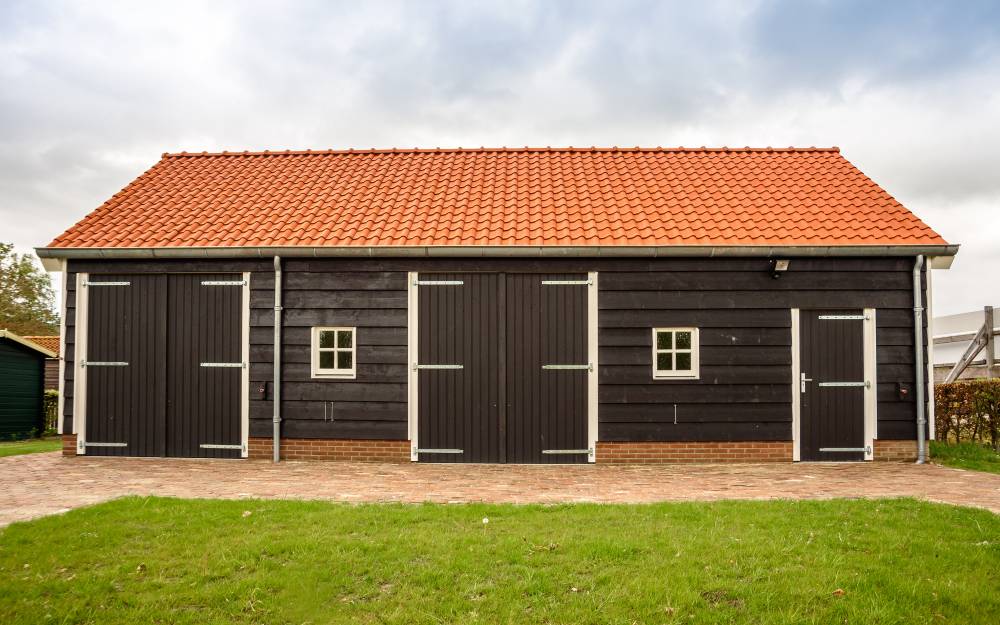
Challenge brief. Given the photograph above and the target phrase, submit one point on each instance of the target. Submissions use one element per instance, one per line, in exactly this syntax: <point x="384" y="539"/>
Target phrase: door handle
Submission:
<point x="804" y="380"/>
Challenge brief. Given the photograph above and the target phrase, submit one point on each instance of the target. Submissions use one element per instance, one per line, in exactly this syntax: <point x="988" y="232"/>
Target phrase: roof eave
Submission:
<point x="51" y="255"/>
<point x="7" y="334"/>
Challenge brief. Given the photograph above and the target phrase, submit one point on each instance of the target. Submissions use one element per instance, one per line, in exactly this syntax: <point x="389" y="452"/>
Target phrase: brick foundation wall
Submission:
<point x="332" y="449"/>
<point x="896" y="451"/>
<point x="69" y="444"/>
<point x="676" y="452"/>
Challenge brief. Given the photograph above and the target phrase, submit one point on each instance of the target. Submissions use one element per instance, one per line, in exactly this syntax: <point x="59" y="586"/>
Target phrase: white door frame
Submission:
<point x="79" y="371"/>
<point x="245" y="372"/>
<point x="871" y="388"/>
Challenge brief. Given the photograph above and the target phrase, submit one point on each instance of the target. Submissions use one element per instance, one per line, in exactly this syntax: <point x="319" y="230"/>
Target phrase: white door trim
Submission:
<point x="929" y="375"/>
<point x="412" y="358"/>
<point x="796" y="392"/>
<point x="245" y="373"/>
<point x="592" y="379"/>
<point x="871" y="389"/>
<point x="80" y="372"/>
<point x="60" y="402"/>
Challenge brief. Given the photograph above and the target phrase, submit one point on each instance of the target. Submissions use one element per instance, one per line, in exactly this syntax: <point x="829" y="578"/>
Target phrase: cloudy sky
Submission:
<point x="93" y="93"/>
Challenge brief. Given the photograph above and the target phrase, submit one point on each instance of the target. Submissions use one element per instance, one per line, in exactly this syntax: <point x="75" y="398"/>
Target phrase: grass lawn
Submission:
<point x="32" y="446"/>
<point x="156" y="560"/>
<point x="965" y="456"/>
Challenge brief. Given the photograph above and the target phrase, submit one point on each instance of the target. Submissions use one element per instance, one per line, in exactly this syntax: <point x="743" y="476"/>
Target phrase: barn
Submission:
<point x="22" y="382"/>
<point x="509" y="305"/>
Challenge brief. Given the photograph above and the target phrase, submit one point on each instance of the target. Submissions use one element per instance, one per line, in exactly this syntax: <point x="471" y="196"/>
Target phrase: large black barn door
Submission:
<point x="502" y="368"/>
<point x="163" y="365"/>
<point x="204" y="366"/>
<point x="459" y="365"/>
<point x="832" y="385"/>
<point x="123" y="365"/>
<point x="547" y="368"/>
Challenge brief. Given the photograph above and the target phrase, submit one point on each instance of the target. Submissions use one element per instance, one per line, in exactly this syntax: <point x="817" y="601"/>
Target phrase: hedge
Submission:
<point x="968" y="411"/>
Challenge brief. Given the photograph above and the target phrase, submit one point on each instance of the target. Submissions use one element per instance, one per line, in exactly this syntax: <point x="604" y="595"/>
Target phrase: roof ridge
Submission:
<point x="504" y="149"/>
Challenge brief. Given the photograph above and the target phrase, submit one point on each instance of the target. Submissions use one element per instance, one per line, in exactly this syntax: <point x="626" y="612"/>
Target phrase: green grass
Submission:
<point x="156" y="560"/>
<point x="32" y="446"/>
<point x="965" y="456"/>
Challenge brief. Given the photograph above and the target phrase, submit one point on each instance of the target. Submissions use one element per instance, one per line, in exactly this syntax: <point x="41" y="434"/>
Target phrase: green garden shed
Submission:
<point x="22" y="380"/>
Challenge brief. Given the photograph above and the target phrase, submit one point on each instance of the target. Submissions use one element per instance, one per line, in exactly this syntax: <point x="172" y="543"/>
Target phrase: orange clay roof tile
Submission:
<point x="501" y="197"/>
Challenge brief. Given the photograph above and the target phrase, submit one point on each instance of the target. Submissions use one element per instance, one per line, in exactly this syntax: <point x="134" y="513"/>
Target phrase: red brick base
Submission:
<point x="69" y="444"/>
<point x="332" y="449"/>
<point x="663" y="453"/>
<point x="896" y="451"/>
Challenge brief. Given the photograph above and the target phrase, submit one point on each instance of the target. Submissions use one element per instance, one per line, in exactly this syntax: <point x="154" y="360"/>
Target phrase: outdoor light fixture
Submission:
<point x="778" y="267"/>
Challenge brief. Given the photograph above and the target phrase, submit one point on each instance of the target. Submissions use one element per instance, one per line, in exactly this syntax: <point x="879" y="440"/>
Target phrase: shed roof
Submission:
<point x="50" y="343"/>
<point x="500" y="198"/>
<point x="23" y="341"/>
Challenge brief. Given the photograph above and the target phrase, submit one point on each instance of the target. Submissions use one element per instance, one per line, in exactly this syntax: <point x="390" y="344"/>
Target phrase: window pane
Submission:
<point x="664" y="362"/>
<point x="683" y="341"/>
<point x="684" y="362"/>
<point x="664" y="340"/>
<point x="326" y="360"/>
<point x="345" y="338"/>
<point x="344" y="360"/>
<point x="327" y="338"/>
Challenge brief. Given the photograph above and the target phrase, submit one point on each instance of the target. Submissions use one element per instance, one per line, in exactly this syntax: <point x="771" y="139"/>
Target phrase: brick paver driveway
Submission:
<point x="39" y="484"/>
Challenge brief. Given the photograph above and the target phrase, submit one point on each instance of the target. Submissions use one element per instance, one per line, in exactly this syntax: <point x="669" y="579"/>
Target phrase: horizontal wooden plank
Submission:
<point x="371" y="354"/>
<point x="331" y="299"/>
<point x="897" y="430"/>
<point x="696" y="413"/>
<point x="726" y="318"/>
<point x="757" y="280"/>
<point x="334" y="280"/>
<point x="684" y="300"/>
<point x="897" y="411"/>
<point x="894" y="354"/>
<point x="302" y="336"/>
<point x="215" y="265"/>
<point x="643" y="337"/>
<point x="691" y="392"/>
<point x="753" y="374"/>
<point x="695" y="432"/>
<point x="377" y="430"/>
<point x="334" y="410"/>
<point x="741" y="355"/>
<point x="333" y="317"/>
<point x="342" y="391"/>
<point x="302" y="372"/>
<point x="894" y="336"/>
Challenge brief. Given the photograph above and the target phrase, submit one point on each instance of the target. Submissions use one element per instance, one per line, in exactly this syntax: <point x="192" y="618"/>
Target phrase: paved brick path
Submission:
<point x="38" y="484"/>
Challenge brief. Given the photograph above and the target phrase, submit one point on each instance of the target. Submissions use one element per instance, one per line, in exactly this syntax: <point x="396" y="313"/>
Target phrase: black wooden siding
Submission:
<point x="745" y="388"/>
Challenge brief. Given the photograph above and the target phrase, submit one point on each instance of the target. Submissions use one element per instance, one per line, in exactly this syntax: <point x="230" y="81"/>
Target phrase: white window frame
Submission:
<point x="689" y="374"/>
<point x="341" y="374"/>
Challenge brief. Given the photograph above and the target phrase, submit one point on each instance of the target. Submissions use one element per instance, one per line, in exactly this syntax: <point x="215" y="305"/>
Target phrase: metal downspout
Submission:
<point x="918" y="335"/>
<point x="277" y="358"/>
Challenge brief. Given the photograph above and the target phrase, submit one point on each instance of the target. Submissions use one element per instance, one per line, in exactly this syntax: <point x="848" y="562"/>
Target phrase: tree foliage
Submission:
<point x="27" y="301"/>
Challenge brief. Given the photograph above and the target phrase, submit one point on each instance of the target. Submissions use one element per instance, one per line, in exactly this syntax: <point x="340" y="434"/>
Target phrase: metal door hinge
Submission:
<point x="88" y="444"/>
<point x="223" y="282"/>
<point x="564" y="452"/>
<point x="567" y="282"/>
<point x="843" y="449"/>
<point x="586" y="367"/>
<point x="224" y="365"/>
<point x="89" y="283"/>
<point x="844" y="317"/>
<point x="843" y="384"/>
<point x="214" y="446"/>
<point x="96" y="363"/>
<point x="438" y="282"/>
<point x="440" y="451"/>
<point x="417" y="367"/>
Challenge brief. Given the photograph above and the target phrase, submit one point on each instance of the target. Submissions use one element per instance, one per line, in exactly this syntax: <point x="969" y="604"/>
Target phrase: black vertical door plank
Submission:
<point x="499" y="348"/>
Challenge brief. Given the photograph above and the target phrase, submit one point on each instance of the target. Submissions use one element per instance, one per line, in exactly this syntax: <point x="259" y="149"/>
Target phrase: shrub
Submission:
<point x="968" y="411"/>
<point x="51" y="412"/>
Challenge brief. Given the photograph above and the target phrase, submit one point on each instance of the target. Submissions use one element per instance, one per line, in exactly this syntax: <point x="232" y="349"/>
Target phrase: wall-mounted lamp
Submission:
<point x="778" y="267"/>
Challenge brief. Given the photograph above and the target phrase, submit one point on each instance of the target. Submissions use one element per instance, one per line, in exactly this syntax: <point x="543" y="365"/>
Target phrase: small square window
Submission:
<point x="675" y="353"/>
<point x="333" y="353"/>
